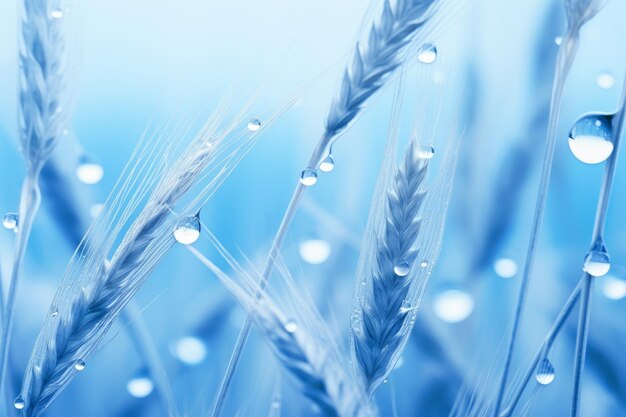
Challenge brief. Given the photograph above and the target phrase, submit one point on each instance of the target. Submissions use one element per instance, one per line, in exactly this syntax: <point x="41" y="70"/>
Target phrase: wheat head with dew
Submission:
<point x="374" y="61"/>
<point x="96" y="289"/>
<point x="42" y="119"/>
<point x="298" y="338"/>
<point x="578" y="12"/>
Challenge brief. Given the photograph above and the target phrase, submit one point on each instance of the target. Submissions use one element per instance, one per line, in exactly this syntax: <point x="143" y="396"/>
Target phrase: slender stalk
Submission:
<point x="565" y="58"/>
<point x="30" y="200"/>
<point x="581" y="343"/>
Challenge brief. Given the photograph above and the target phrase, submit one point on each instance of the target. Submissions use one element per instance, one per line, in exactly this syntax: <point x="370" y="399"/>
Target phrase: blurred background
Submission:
<point x="139" y="63"/>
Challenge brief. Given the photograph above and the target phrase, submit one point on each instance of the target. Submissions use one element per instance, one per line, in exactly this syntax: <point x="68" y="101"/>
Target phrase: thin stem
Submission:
<point x="546" y="347"/>
<point x="143" y="342"/>
<point x="565" y="58"/>
<point x="30" y="200"/>
<point x="581" y="343"/>
<point x="269" y="266"/>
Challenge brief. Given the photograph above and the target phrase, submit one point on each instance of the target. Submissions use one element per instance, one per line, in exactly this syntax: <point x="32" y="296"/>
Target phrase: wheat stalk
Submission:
<point x="41" y="122"/>
<point x="94" y="291"/>
<point x="301" y="343"/>
<point x="578" y="13"/>
<point x="373" y="62"/>
<point x="382" y="310"/>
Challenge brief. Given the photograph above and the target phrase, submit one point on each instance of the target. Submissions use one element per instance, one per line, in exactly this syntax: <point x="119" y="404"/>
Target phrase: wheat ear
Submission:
<point x="579" y="12"/>
<point x="373" y="62"/>
<point x="41" y="122"/>
<point x="300" y="341"/>
<point x="95" y="291"/>
<point x="383" y="313"/>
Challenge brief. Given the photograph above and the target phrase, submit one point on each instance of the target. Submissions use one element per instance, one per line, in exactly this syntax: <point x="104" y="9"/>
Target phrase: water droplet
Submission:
<point x="56" y="14"/>
<point x="254" y="125"/>
<point x="385" y="380"/>
<point x="591" y="138"/>
<point x="427" y="53"/>
<point x="89" y="171"/>
<point x="424" y="263"/>
<point x="328" y="164"/>
<point x="505" y="267"/>
<point x="406" y="306"/>
<point x="605" y="81"/>
<point x="308" y="177"/>
<point x="140" y="387"/>
<point x="187" y="230"/>
<point x="426" y="152"/>
<point x="54" y="311"/>
<point x="402" y="268"/>
<point x="558" y="40"/>
<point x="613" y="288"/>
<point x="453" y="306"/>
<point x="10" y="221"/>
<point x="597" y="262"/>
<point x="291" y="326"/>
<point x="190" y="350"/>
<point x="19" y="403"/>
<point x="80" y="365"/>
<point x="545" y="372"/>
<point x="314" y="251"/>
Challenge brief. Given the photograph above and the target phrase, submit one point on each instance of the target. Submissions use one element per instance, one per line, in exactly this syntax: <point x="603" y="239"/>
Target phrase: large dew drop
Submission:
<point x="89" y="171"/>
<point x="597" y="262"/>
<point x="187" y="230"/>
<point x="427" y="53"/>
<point x="80" y="365"/>
<point x="545" y="372"/>
<point x="402" y="268"/>
<point x="308" y="177"/>
<point x="426" y="152"/>
<point x="591" y="138"/>
<point x="10" y="221"/>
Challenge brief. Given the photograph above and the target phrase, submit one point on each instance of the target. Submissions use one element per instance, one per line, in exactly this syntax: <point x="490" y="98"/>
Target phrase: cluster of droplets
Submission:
<point x="591" y="138"/>
<point x="545" y="372"/>
<point x="187" y="230"/>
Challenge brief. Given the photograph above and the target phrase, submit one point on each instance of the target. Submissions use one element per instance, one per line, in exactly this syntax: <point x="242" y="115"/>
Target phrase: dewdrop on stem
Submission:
<point x="545" y="372"/>
<point x="426" y="152"/>
<point x="10" y="221"/>
<point x="254" y="125"/>
<point x="308" y="177"/>
<point x="80" y="365"/>
<point x="402" y="268"/>
<point x="19" y="403"/>
<point x="591" y="138"/>
<point x="291" y="326"/>
<point x="187" y="230"/>
<point x="427" y="53"/>
<point x="597" y="261"/>
<point x="328" y="164"/>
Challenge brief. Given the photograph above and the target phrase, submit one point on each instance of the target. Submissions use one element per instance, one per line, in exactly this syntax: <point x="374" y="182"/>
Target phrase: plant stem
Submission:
<point x="30" y="200"/>
<point x="565" y="58"/>
<point x="269" y="266"/>
<point x="581" y="343"/>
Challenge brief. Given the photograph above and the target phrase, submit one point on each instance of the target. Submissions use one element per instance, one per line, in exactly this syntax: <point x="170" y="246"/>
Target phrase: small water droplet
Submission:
<point x="140" y="386"/>
<point x="402" y="268"/>
<point x="605" y="81"/>
<point x="19" y="403"/>
<point x="291" y="326"/>
<point x="89" y="171"/>
<point x="328" y="164"/>
<point x="424" y="263"/>
<point x="254" y="125"/>
<point x="591" y="138"/>
<point x="427" y="53"/>
<point x="406" y="306"/>
<point x="187" y="230"/>
<point x="545" y="372"/>
<point x="597" y="262"/>
<point x="385" y="380"/>
<point x="426" y="152"/>
<point x="558" y="40"/>
<point x="308" y="177"/>
<point x="505" y="267"/>
<point x="54" y="311"/>
<point x="56" y="14"/>
<point x="80" y="365"/>
<point x="10" y="221"/>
